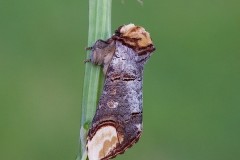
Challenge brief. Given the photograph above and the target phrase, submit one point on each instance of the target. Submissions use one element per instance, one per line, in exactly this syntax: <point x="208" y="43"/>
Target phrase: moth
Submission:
<point x="117" y="124"/>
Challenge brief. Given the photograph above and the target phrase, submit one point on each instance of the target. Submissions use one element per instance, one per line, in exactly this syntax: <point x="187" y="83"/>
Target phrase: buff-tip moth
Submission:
<point x="117" y="124"/>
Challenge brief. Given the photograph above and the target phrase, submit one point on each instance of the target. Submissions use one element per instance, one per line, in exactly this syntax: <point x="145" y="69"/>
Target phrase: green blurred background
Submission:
<point x="191" y="83"/>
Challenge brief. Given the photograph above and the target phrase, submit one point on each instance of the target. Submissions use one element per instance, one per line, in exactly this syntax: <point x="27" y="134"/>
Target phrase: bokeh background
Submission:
<point x="191" y="83"/>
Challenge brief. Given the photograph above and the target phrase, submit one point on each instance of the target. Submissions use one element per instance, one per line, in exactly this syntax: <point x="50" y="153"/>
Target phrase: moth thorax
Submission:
<point x="135" y="36"/>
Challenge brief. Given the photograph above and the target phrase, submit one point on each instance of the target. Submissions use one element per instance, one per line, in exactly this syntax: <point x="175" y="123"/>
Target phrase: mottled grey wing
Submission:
<point x="120" y="105"/>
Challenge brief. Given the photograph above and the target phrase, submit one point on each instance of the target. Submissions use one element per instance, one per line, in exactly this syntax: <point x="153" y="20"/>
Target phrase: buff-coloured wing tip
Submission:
<point x="102" y="143"/>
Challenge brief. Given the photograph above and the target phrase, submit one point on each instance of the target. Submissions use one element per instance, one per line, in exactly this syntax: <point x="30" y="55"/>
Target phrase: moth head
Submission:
<point x="136" y="37"/>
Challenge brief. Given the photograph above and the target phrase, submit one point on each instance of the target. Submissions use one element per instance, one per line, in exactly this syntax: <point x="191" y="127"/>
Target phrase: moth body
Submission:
<point x="117" y="124"/>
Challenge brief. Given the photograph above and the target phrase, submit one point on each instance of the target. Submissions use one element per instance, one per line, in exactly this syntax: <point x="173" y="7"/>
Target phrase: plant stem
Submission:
<point x="99" y="28"/>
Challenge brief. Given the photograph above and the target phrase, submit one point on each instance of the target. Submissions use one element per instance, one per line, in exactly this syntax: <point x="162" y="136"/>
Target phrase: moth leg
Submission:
<point x="102" y="52"/>
<point x="99" y="44"/>
<point x="87" y="60"/>
<point x="88" y="48"/>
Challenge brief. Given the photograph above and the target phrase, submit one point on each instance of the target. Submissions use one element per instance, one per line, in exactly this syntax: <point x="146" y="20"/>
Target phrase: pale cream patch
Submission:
<point x="126" y="28"/>
<point x="112" y="104"/>
<point x="104" y="140"/>
<point x="139" y="127"/>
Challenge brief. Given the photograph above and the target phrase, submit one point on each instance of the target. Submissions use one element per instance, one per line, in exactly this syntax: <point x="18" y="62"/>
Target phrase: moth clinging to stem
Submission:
<point x="117" y="124"/>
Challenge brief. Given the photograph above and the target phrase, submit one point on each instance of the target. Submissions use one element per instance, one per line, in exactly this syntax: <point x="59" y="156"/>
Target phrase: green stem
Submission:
<point x="99" y="28"/>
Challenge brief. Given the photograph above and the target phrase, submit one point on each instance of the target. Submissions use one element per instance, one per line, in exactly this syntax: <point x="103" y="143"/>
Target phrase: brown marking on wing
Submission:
<point x="115" y="77"/>
<point x="107" y="144"/>
<point x="128" y="77"/>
